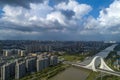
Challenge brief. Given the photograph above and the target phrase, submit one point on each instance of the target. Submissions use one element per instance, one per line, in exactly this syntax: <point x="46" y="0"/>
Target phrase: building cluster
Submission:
<point x="23" y="66"/>
<point x="117" y="64"/>
<point x="9" y="52"/>
<point x="37" y="47"/>
<point x="65" y="46"/>
<point x="32" y="46"/>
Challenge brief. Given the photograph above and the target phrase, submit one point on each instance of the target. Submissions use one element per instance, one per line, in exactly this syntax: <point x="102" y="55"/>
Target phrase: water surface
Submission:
<point x="72" y="73"/>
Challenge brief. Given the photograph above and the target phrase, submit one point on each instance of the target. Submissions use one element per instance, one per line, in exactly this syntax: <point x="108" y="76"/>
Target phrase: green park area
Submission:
<point x="93" y="75"/>
<point x="78" y="56"/>
<point x="75" y="57"/>
<point x="109" y="77"/>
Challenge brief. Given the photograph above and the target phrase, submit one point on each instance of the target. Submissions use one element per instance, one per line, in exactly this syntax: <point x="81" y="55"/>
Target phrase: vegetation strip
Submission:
<point x="46" y="74"/>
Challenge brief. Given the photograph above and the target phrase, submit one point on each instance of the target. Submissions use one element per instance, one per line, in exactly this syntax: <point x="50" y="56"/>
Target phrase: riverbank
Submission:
<point x="47" y="73"/>
<point x="109" y="77"/>
<point x="92" y="75"/>
<point x="72" y="73"/>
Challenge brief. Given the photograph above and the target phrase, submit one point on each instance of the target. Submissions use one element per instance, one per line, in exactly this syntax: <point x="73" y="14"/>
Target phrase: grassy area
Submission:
<point x="109" y="77"/>
<point x="46" y="74"/>
<point x="111" y="58"/>
<point x="92" y="75"/>
<point x="80" y="56"/>
<point x="75" y="57"/>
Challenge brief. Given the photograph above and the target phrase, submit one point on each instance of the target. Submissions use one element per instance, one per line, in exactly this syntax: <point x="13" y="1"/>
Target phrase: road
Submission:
<point x="100" y="70"/>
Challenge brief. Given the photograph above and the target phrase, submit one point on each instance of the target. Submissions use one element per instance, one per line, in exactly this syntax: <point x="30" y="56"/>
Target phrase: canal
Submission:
<point x="102" y="53"/>
<point x="72" y="73"/>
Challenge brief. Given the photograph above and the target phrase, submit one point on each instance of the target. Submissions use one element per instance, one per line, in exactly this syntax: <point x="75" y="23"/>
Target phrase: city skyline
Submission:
<point x="60" y="20"/>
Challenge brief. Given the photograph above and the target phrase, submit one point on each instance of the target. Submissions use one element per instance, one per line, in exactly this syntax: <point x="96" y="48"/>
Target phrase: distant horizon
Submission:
<point x="57" y="40"/>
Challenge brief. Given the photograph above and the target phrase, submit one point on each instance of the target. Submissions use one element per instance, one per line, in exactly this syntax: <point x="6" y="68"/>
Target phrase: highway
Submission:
<point x="100" y="70"/>
<point x="109" y="72"/>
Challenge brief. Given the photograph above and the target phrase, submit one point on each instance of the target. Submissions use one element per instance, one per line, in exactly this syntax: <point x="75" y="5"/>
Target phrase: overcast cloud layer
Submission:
<point x="64" y="20"/>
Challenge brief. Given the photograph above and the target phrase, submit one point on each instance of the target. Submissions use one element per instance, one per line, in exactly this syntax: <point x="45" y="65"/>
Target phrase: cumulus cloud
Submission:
<point x="26" y="3"/>
<point x="37" y="19"/>
<point x="23" y="3"/>
<point x="41" y="17"/>
<point x="110" y="17"/>
<point x="108" y="21"/>
<point x="79" y="9"/>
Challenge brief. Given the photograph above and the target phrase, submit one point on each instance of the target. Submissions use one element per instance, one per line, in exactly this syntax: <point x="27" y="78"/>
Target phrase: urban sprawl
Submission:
<point x="21" y="57"/>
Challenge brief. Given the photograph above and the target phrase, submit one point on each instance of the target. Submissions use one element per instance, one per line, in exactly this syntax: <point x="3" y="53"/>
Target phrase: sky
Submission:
<point x="91" y="20"/>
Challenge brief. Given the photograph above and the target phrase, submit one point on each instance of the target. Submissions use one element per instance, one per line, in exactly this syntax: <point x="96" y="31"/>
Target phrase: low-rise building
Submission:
<point x="117" y="64"/>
